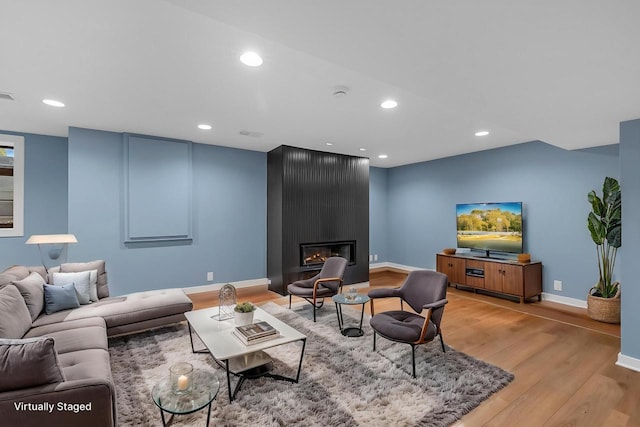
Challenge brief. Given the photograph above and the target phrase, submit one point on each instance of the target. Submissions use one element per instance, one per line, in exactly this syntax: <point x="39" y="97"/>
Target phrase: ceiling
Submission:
<point x="563" y="72"/>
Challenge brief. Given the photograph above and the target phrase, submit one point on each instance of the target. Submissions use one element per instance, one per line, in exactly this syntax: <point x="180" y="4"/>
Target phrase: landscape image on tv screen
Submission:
<point x="490" y="226"/>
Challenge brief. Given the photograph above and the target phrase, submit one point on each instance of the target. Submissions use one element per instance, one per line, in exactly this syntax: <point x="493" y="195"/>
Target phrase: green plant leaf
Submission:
<point x="596" y="228"/>
<point x="609" y="187"/>
<point x="614" y="236"/>
<point x="596" y="204"/>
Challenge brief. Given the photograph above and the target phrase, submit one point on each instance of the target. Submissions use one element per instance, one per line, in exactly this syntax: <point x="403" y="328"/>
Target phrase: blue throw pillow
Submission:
<point x="57" y="298"/>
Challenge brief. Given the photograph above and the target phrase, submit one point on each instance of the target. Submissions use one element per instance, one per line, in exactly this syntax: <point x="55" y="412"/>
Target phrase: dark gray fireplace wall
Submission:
<point x="313" y="196"/>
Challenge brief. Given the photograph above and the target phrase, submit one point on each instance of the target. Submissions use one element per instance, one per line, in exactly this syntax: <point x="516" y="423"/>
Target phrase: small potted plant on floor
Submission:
<point x="243" y="313"/>
<point x="605" y="224"/>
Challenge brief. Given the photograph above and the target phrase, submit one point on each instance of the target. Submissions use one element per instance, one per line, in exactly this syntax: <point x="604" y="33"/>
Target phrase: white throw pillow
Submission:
<point x="81" y="280"/>
<point x="93" y="285"/>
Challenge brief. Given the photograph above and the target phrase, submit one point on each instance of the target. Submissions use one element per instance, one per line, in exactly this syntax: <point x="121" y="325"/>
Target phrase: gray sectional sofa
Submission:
<point x="54" y="368"/>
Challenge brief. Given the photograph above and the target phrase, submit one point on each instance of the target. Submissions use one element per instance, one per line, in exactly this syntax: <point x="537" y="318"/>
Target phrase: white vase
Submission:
<point x="242" y="319"/>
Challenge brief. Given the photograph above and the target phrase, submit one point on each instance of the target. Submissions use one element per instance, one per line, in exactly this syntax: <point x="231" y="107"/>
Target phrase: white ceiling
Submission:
<point x="562" y="71"/>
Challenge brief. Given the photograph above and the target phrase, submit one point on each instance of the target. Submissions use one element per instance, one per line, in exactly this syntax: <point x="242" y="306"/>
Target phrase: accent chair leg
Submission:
<point x="314" y="311"/>
<point x="442" y="343"/>
<point x="374" y="340"/>
<point x="413" y="360"/>
<point x="289" y="301"/>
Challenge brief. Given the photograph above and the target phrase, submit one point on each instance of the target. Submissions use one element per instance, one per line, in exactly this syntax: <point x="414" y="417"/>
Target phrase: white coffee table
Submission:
<point x="243" y="361"/>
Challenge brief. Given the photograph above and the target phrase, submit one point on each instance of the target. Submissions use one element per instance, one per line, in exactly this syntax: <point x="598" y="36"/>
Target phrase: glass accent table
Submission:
<point x="204" y="389"/>
<point x="340" y="300"/>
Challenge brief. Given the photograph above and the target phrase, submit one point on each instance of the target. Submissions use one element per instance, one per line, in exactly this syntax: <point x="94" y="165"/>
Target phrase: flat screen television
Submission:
<point x="490" y="227"/>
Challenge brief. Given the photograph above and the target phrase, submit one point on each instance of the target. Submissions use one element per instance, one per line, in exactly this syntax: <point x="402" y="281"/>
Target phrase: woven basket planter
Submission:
<point x="604" y="309"/>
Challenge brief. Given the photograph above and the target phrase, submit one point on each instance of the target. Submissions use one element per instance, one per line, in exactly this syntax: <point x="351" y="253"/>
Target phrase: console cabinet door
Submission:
<point x="493" y="277"/>
<point x="512" y="280"/>
<point x="453" y="267"/>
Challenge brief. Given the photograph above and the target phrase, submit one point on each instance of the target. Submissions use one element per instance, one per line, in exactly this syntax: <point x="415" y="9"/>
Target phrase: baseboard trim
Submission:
<point x="216" y="286"/>
<point x="574" y="302"/>
<point x="628" y="362"/>
<point x="393" y="266"/>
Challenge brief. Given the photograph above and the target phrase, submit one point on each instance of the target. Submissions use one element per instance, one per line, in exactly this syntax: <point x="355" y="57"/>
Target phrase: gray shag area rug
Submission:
<point x="343" y="382"/>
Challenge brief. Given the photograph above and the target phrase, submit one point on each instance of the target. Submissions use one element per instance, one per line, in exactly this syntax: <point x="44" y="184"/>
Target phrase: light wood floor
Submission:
<point x="563" y="362"/>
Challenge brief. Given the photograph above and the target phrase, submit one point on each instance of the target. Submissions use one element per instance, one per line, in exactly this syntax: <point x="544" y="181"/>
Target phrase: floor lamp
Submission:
<point x="55" y="245"/>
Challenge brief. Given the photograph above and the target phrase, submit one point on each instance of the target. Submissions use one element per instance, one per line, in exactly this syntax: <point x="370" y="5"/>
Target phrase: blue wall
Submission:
<point x="229" y="217"/>
<point x="630" y="184"/>
<point x="552" y="184"/>
<point x="45" y="197"/>
<point x="378" y="213"/>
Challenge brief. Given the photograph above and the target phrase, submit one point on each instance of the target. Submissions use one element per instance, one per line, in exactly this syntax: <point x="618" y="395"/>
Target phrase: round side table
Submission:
<point x="341" y="300"/>
<point x="204" y="389"/>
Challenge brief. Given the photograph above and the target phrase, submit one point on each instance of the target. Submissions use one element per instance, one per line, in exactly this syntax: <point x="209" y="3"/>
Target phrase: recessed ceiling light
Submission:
<point x="382" y="156"/>
<point x="53" y="103"/>
<point x="204" y="126"/>
<point x="389" y="103"/>
<point x="363" y="149"/>
<point x="251" y="59"/>
<point x="482" y="133"/>
<point x="329" y="143"/>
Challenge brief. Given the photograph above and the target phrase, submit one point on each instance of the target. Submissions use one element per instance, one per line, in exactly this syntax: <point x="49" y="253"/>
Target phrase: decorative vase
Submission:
<point x="241" y="319"/>
<point x="604" y="309"/>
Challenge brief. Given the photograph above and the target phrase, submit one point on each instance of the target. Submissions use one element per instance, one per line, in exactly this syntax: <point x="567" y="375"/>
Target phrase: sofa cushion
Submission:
<point x="57" y="298"/>
<point x="15" y="319"/>
<point x="37" y="331"/>
<point x="30" y="362"/>
<point x="99" y="265"/>
<point x="75" y="335"/>
<point x="83" y="364"/>
<point x="17" y="271"/>
<point x="81" y="280"/>
<point x="32" y="290"/>
<point x="125" y="310"/>
<point x="86" y="338"/>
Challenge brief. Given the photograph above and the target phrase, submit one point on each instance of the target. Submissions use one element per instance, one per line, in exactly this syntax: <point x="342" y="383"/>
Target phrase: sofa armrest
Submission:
<point x="78" y="402"/>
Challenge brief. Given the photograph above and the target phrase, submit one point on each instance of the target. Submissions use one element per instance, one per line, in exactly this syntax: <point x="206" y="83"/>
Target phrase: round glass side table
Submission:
<point x="204" y="389"/>
<point x="342" y="299"/>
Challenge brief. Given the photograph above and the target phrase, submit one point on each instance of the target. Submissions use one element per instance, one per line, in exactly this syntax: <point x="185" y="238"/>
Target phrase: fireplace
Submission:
<point x="315" y="254"/>
<point x="315" y="199"/>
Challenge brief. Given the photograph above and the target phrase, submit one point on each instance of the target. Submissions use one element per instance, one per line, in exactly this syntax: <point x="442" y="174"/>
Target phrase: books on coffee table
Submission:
<point x="255" y="332"/>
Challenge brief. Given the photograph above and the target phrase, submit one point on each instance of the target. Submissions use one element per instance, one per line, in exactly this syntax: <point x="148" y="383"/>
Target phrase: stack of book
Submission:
<point x="255" y="333"/>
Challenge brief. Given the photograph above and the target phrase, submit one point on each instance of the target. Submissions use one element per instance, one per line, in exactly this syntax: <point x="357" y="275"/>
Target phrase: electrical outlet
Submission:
<point x="557" y="285"/>
<point x="210" y="276"/>
<point x="370" y="257"/>
<point x="375" y="257"/>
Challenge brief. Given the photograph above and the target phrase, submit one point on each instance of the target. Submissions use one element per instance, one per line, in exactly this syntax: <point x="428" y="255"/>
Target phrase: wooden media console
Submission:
<point x="510" y="277"/>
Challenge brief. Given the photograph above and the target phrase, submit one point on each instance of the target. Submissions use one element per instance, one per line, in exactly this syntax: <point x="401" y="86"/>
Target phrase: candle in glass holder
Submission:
<point x="180" y="376"/>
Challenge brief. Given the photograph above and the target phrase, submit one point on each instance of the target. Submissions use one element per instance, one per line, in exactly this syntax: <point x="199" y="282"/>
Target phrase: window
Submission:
<point x="11" y="186"/>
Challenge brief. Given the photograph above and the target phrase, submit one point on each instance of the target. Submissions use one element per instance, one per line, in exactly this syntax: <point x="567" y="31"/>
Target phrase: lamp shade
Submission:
<point x="39" y="239"/>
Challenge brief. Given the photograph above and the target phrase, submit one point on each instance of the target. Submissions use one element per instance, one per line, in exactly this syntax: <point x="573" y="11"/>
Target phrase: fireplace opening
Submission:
<point x="315" y="254"/>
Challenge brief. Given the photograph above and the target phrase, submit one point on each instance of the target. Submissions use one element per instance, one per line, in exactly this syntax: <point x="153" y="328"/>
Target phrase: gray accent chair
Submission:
<point x="323" y="285"/>
<point x="422" y="290"/>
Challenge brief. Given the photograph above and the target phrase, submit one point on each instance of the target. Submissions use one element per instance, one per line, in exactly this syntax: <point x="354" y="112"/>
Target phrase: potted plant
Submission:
<point x="243" y="313"/>
<point x="605" y="224"/>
